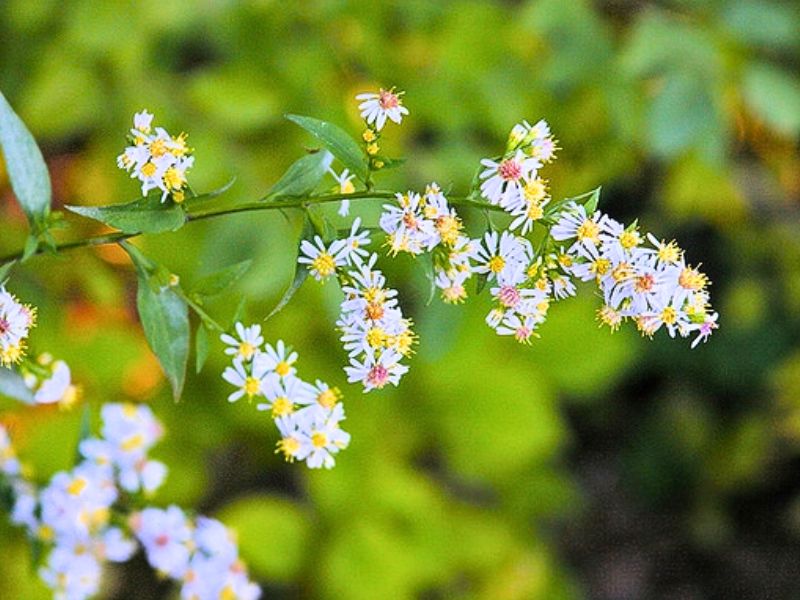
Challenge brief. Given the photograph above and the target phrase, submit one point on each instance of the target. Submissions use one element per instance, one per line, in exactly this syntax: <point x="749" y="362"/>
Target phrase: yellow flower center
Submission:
<point x="77" y="486"/>
<point x="669" y="315"/>
<point x="324" y="264"/>
<point x="347" y="187"/>
<point x="252" y="386"/>
<point x="133" y="443"/>
<point x="496" y="264"/>
<point x="629" y="239"/>
<point x="589" y="230"/>
<point x="246" y="350"/>
<point x="148" y="169"/>
<point x="289" y="446"/>
<point x="283" y="368"/>
<point x="282" y="406"/>
<point x="158" y="147"/>
<point x="669" y="253"/>
<point x="601" y="266"/>
<point x="174" y="179"/>
<point x="319" y="439"/>
<point x="328" y="398"/>
<point x="376" y="337"/>
<point x="692" y="279"/>
<point x="448" y="227"/>
<point x="535" y="191"/>
<point x="375" y="294"/>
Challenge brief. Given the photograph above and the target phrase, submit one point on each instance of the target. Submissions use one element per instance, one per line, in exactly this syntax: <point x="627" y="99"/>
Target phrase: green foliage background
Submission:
<point x="584" y="466"/>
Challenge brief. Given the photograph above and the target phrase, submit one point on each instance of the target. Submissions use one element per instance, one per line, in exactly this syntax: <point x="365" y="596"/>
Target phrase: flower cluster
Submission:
<point x="200" y="553"/>
<point x="649" y="284"/>
<point x="74" y="516"/>
<point x="16" y="320"/>
<point x="513" y="182"/>
<point x="157" y="159"/>
<point x="307" y="415"/>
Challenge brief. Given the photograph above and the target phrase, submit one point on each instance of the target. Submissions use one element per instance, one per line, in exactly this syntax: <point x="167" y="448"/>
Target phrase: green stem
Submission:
<point x="206" y="318"/>
<point x="258" y="205"/>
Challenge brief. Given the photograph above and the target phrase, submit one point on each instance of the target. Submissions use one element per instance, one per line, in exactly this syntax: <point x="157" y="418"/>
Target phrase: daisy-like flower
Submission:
<point x="408" y="229"/>
<point x="375" y="372"/>
<point x="53" y="388"/>
<point x="453" y="290"/>
<point x="575" y="223"/>
<point x="249" y="384"/>
<point x="356" y="243"/>
<point x="166" y="536"/>
<point x="16" y="320"/>
<point x="499" y="254"/>
<point x="284" y="393"/>
<point x="376" y="108"/>
<point x="504" y="181"/>
<point x="279" y="359"/>
<point x="246" y="345"/>
<point x="345" y="183"/>
<point x="521" y="328"/>
<point x="323" y="261"/>
<point x="323" y="439"/>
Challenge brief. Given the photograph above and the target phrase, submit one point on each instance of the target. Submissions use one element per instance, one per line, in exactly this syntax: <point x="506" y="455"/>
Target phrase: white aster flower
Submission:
<point x="247" y="344"/>
<point x="249" y="384"/>
<point x="376" y="108"/>
<point x="322" y="261"/>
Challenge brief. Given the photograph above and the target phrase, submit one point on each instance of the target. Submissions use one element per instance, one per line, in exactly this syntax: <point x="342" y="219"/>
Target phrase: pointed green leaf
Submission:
<point x="591" y="203"/>
<point x="213" y="193"/>
<point x="335" y="139"/>
<point x="300" y="271"/>
<point x="5" y="270"/>
<point x="145" y="215"/>
<point x="13" y="386"/>
<point x="773" y="94"/>
<point x="25" y="164"/>
<point x="31" y="246"/>
<point x="200" y="347"/>
<point x="165" y="320"/>
<point x="302" y="177"/>
<point x="220" y="281"/>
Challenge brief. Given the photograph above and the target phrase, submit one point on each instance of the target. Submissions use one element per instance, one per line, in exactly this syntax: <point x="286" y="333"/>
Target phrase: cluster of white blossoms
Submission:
<point x="16" y="320"/>
<point x="157" y="159"/>
<point x="306" y="415"/>
<point x="649" y="284"/>
<point x="199" y="553"/>
<point x="73" y="516"/>
<point x="513" y="182"/>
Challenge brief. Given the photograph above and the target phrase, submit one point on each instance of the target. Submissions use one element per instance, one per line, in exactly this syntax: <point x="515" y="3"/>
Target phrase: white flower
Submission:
<point x="376" y="108"/>
<point x="249" y="384"/>
<point x="356" y="243"/>
<point x="283" y="393"/>
<point x="16" y="320"/>
<point x="8" y="458"/>
<point x="375" y="372"/>
<point x="165" y="536"/>
<point x="322" y="439"/>
<point x="322" y="261"/>
<point x="504" y="180"/>
<point x="278" y="359"/>
<point x="499" y="254"/>
<point x="247" y="344"/>
<point x="142" y="121"/>
<point x="345" y="182"/>
<point x="521" y="329"/>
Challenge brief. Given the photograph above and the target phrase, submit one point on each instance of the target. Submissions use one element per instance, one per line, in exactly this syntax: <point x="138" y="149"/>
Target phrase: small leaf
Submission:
<point x="31" y="246"/>
<point x="5" y="270"/>
<point x="213" y="193"/>
<point x="200" y="347"/>
<point x="85" y="431"/>
<point x="591" y="203"/>
<point x="13" y="386"/>
<point x="335" y="139"/>
<point x="145" y="215"/>
<point x="238" y="314"/>
<point x="300" y="271"/>
<point x="25" y="164"/>
<point x="220" y="281"/>
<point x="165" y="320"/>
<point x="480" y="282"/>
<point x="302" y="176"/>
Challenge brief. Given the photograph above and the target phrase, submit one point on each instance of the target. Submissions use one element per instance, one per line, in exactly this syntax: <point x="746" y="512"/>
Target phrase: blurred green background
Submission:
<point x="586" y="466"/>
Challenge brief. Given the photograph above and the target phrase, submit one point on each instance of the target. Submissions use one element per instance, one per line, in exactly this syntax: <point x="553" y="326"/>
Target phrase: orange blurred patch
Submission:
<point x="113" y="254"/>
<point x="141" y="377"/>
<point x="87" y="319"/>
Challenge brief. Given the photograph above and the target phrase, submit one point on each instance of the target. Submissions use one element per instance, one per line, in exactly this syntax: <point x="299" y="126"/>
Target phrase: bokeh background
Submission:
<point x="589" y="465"/>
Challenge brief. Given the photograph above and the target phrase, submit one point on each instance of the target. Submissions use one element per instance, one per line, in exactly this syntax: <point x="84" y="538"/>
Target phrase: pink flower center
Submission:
<point x="523" y="334"/>
<point x="378" y="376"/>
<point x="510" y="170"/>
<point x="388" y="100"/>
<point x="162" y="540"/>
<point x="508" y="296"/>
<point x="4" y="326"/>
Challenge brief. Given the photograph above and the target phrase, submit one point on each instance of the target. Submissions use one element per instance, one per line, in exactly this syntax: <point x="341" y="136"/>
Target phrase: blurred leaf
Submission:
<point x="774" y="95"/>
<point x="222" y="280"/>
<point x="165" y="320"/>
<point x="341" y="145"/>
<point x="771" y="24"/>
<point x="680" y="115"/>
<point x="5" y="270"/>
<point x="200" y="347"/>
<point x="264" y="517"/>
<point x="212" y="194"/>
<point x="31" y="246"/>
<point x="145" y="215"/>
<point x="13" y="385"/>
<point x="303" y="176"/>
<point x="25" y="165"/>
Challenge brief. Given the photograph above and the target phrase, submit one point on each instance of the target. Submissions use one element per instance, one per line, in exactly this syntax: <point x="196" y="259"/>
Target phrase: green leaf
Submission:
<point x="31" y="246"/>
<point x="13" y="386"/>
<point x="213" y="193"/>
<point x="5" y="270"/>
<point x="591" y="203"/>
<point x="335" y="139"/>
<point x="220" y="281"/>
<point x="85" y="431"/>
<point x="321" y="224"/>
<point x="300" y="271"/>
<point x="681" y="115"/>
<point x="303" y="176"/>
<point x="165" y="320"/>
<point x="774" y="95"/>
<point x="200" y="347"/>
<point x="145" y="215"/>
<point x="389" y="163"/>
<point x="25" y="164"/>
